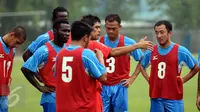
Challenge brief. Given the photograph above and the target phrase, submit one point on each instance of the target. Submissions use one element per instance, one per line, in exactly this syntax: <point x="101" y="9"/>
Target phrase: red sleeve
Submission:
<point x="97" y="45"/>
<point x="104" y="49"/>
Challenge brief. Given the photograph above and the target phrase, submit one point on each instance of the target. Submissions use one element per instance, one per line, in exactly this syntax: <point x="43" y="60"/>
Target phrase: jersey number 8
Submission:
<point x="161" y="70"/>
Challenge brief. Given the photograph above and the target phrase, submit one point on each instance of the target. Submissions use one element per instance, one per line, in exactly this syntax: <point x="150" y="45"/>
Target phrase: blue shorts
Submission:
<point x="48" y="102"/>
<point x="165" y="105"/>
<point x="115" y="98"/>
<point x="3" y="104"/>
<point x="49" y="107"/>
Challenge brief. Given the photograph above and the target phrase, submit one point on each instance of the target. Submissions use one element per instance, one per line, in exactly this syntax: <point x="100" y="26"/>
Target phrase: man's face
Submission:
<point x="162" y="35"/>
<point x="62" y="15"/>
<point x="96" y="31"/>
<point x="63" y="32"/>
<point x="14" y="41"/>
<point x="112" y="29"/>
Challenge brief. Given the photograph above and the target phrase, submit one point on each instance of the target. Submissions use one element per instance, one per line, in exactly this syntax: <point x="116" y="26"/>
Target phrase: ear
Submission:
<point x="85" y="38"/>
<point x="12" y="33"/>
<point x="55" y="30"/>
<point x="120" y="26"/>
<point x="170" y="33"/>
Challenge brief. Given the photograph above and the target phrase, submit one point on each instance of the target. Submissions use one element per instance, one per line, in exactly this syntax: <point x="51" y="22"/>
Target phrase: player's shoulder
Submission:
<point x="182" y="49"/>
<point x="128" y="40"/>
<point x="147" y="52"/>
<point x="87" y="52"/>
<point x="44" y="36"/>
<point x="42" y="50"/>
<point x="98" y="43"/>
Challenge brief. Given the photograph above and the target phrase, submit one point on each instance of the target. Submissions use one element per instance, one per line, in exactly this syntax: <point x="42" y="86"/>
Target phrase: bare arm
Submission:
<point x="198" y="93"/>
<point x="119" y="51"/>
<point x="30" y="77"/>
<point x="99" y="54"/>
<point x="128" y="82"/>
<point x="144" y="73"/>
<point x="103" y="78"/>
<point x="191" y="74"/>
<point x="26" y="55"/>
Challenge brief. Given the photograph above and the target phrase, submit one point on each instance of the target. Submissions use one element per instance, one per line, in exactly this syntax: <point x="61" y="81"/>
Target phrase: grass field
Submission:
<point x="29" y="97"/>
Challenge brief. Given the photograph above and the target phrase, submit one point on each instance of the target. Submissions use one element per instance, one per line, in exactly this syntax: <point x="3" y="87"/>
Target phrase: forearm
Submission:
<point x="144" y="73"/>
<point x="198" y="89"/>
<point x="191" y="74"/>
<point x="136" y="72"/>
<point x="123" y="50"/>
<point x="101" y="60"/>
<point x="30" y="77"/>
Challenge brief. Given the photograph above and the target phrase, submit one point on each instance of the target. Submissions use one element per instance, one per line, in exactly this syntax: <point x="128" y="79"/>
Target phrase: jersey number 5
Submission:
<point x="67" y="69"/>
<point x="161" y="70"/>
<point x="111" y="65"/>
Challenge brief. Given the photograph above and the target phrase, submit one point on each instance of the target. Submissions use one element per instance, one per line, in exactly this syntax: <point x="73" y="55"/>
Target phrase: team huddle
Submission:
<point x="77" y="70"/>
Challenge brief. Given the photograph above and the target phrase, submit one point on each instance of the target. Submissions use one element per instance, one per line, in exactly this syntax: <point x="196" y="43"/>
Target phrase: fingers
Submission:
<point x="47" y="89"/>
<point x="125" y="82"/>
<point x="145" y="38"/>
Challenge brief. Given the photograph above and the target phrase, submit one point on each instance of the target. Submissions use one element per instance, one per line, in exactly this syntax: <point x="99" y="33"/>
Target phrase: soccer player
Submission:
<point x="58" y="12"/>
<point x="8" y="43"/>
<point x="77" y="69"/>
<point x="166" y="59"/>
<point x="44" y="59"/>
<point x="115" y="92"/>
<point x="95" y="22"/>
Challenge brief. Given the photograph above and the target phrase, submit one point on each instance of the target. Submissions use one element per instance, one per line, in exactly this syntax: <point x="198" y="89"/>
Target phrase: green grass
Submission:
<point x="138" y="93"/>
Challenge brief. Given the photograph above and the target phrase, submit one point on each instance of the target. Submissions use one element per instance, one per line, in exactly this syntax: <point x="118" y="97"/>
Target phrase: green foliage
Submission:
<point x="184" y="13"/>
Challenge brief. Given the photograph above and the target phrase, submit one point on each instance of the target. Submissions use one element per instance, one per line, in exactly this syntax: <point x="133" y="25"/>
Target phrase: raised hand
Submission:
<point x="144" y="44"/>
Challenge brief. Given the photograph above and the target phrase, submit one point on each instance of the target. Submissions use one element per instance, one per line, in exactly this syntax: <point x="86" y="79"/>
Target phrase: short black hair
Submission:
<point x="19" y="31"/>
<point x="56" y="10"/>
<point x="90" y="19"/>
<point x="112" y="18"/>
<point x="57" y="22"/>
<point x="80" y="29"/>
<point x="167" y="24"/>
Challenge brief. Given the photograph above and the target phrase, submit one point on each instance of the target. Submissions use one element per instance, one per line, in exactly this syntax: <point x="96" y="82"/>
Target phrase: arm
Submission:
<point x="198" y="93"/>
<point x="40" y="41"/>
<point x="139" y="68"/>
<point x="29" y="68"/>
<point x="191" y="74"/>
<point x="143" y="44"/>
<point x="30" y="77"/>
<point x="144" y="73"/>
<point x="94" y="66"/>
<point x="184" y="55"/>
<point x="128" y="82"/>
<point x="27" y="54"/>
<point x="198" y="88"/>
<point x="144" y="63"/>
<point x="99" y="54"/>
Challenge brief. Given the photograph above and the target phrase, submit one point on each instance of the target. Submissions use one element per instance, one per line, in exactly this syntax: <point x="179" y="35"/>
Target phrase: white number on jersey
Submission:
<point x="6" y="66"/>
<point x="161" y="70"/>
<point x="111" y="65"/>
<point x="67" y="69"/>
